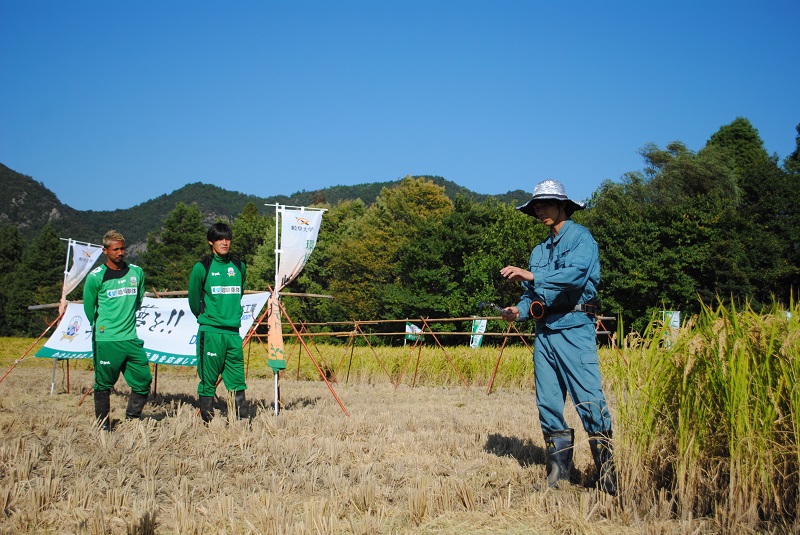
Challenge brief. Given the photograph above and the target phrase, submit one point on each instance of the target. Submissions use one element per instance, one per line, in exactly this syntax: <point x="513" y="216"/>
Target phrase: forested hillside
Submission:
<point x="722" y="223"/>
<point x="32" y="205"/>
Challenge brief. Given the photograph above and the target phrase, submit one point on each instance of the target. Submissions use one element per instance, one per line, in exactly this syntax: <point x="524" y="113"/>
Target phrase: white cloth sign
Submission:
<point x="478" y="328"/>
<point x="167" y="327"/>
<point x="413" y="332"/>
<point x="84" y="255"/>
<point x="299" y="230"/>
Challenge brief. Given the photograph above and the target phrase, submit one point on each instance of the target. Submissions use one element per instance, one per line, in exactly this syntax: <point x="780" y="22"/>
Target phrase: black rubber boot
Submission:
<point x="136" y="403"/>
<point x="559" y="455"/>
<point x="600" y="443"/>
<point x="240" y="405"/>
<point x="102" y="408"/>
<point x="206" y="408"/>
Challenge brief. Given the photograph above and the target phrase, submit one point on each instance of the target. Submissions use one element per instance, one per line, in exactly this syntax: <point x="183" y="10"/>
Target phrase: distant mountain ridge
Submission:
<point x="30" y="205"/>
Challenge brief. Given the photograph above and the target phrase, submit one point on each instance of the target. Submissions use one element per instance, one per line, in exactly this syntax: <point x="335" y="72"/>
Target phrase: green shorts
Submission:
<point x="219" y="354"/>
<point x="126" y="357"/>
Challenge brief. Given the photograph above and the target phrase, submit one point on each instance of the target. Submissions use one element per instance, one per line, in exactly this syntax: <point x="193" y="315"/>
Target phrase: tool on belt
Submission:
<point x="539" y="310"/>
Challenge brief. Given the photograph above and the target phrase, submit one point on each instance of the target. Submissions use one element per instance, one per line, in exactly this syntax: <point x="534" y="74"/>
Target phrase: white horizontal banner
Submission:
<point x="167" y="326"/>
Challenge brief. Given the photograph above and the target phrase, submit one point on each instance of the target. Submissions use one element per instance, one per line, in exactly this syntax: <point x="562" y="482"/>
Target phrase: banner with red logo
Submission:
<point x="299" y="230"/>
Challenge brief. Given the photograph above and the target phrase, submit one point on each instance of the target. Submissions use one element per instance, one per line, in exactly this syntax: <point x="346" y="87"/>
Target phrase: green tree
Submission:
<point x="501" y="236"/>
<point x="261" y="271"/>
<point x="11" y="250"/>
<point x="318" y="273"/>
<point x="173" y="250"/>
<point x="792" y="162"/>
<point x="655" y="231"/>
<point x="454" y="264"/>
<point x="627" y="238"/>
<point x="366" y="260"/>
<point x="763" y="216"/>
<point x="711" y="225"/>
<point x="38" y="280"/>
<point x="250" y="231"/>
<point x="791" y="221"/>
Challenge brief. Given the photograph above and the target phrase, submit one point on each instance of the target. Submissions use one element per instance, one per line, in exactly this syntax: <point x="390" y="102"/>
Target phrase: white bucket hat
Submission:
<point x="550" y="189"/>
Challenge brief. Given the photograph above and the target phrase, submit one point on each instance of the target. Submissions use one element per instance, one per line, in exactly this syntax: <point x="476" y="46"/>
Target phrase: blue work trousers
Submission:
<point x="566" y="361"/>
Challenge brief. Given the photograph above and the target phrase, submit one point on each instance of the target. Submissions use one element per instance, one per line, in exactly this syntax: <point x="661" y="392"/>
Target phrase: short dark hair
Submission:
<point x="219" y="231"/>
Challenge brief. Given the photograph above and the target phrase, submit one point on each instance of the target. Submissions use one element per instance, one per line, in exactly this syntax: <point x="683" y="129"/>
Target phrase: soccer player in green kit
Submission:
<point x="111" y="296"/>
<point x="216" y="285"/>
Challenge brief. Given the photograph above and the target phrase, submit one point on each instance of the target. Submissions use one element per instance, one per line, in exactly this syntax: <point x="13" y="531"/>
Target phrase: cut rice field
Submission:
<point x="706" y="441"/>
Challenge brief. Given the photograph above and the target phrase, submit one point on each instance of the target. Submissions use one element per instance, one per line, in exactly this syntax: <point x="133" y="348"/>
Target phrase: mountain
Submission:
<point x="31" y="205"/>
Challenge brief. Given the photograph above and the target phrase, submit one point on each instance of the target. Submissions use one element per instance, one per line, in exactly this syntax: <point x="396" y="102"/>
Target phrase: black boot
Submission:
<point x="600" y="443"/>
<point x="102" y="408"/>
<point x="559" y="455"/>
<point x="136" y="403"/>
<point x="240" y="404"/>
<point x="206" y="408"/>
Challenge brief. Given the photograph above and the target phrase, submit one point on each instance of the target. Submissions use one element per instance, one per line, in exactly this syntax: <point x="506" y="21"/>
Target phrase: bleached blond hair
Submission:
<point x="112" y="235"/>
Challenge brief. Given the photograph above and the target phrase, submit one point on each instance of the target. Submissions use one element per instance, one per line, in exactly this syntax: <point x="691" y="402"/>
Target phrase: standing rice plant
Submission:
<point x="787" y="403"/>
<point x="712" y="415"/>
<point x="426" y="364"/>
<point x="746" y="365"/>
<point x="663" y="422"/>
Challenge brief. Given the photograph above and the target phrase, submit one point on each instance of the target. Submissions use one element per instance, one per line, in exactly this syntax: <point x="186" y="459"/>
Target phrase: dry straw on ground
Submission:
<point x="413" y="460"/>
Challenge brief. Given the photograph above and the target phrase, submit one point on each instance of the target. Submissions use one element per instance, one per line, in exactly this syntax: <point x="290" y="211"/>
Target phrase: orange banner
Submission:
<point x="276" y="359"/>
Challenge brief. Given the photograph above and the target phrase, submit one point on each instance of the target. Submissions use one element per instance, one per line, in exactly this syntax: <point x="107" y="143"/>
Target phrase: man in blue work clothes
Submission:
<point x="560" y="291"/>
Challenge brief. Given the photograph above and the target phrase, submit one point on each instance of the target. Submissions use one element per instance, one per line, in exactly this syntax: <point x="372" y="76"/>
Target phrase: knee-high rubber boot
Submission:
<point x="206" y="408"/>
<point x="600" y="443"/>
<point x="240" y="404"/>
<point x="102" y="408"/>
<point x="559" y="455"/>
<point x="136" y="403"/>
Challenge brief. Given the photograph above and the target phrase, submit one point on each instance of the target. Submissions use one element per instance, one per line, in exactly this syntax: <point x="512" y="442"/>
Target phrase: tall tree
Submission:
<point x="316" y="277"/>
<point x="501" y="236"/>
<point x="791" y="221"/>
<point x="366" y="260"/>
<point x="250" y="231"/>
<point x="711" y="225"/>
<point x="38" y="280"/>
<point x="11" y="250"/>
<point x="454" y="264"/>
<point x="655" y="231"/>
<point x="763" y="214"/>
<point x="173" y="250"/>
<point x="792" y="162"/>
<point x="261" y="270"/>
<point x="628" y="241"/>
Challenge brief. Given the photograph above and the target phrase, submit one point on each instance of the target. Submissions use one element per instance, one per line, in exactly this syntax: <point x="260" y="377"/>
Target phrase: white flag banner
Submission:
<point x="413" y="332"/>
<point x="167" y="327"/>
<point x="84" y="255"/>
<point x="299" y="230"/>
<point x="478" y="328"/>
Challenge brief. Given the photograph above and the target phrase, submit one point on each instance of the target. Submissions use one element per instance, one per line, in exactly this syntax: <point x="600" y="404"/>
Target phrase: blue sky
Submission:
<point x="110" y="104"/>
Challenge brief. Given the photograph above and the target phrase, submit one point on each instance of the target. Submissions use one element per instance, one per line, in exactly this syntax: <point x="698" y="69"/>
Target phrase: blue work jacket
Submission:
<point x="566" y="272"/>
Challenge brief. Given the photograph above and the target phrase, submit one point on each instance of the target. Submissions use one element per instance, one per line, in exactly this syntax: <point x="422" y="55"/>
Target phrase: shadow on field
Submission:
<point x="301" y="403"/>
<point x="163" y="404"/>
<point x="525" y="452"/>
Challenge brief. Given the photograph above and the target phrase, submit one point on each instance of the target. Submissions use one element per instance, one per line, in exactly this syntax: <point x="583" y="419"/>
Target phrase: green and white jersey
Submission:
<point x="111" y="299"/>
<point x="215" y="294"/>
